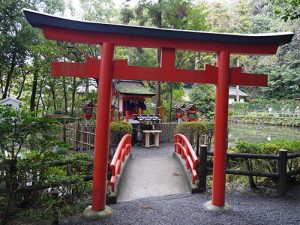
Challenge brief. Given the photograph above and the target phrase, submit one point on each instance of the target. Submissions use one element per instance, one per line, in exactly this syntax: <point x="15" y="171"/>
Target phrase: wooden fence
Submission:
<point x="167" y="132"/>
<point x="79" y="136"/>
<point x="82" y="137"/>
<point x="285" y="167"/>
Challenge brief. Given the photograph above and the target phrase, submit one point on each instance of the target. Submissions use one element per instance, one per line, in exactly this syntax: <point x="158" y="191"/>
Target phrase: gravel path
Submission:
<point x="248" y="209"/>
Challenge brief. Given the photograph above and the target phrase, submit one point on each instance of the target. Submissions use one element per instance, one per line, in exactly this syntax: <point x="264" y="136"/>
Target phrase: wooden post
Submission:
<point x="102" y="128"/>
<point x="282" y="164"/>
<point x="197" y="143"/>
<point x="202" y="167"/>
<point x="221" y="125"/>
<point x="76" y="137"/>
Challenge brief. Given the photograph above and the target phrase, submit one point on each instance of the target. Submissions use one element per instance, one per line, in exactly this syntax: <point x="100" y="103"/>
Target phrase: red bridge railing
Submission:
<point x="122" y="151"/>
<point x="183" y="147"/>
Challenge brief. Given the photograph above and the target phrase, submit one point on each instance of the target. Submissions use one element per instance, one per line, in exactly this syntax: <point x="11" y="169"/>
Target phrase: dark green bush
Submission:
<point x="269" y="166"/>
<point x="118" y="129"/>
<point x="191" y="128"/>
<point x="271" y="147"/>
<point x="193" y="131"/>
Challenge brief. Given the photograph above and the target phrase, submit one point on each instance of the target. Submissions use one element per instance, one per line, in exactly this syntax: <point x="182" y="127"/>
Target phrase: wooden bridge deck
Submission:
<point x="152" y="172"/>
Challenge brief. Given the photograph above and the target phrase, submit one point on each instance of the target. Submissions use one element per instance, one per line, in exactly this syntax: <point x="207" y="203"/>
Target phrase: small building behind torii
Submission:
<point x="236" y="95"/>
<point x="130" y="98"/>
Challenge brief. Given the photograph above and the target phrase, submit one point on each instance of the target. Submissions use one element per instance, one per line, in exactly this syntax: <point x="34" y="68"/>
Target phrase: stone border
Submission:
<point x="92" y="215"/>
<point x="187" y="174"/>
<point x="112" y="197"/>
<point x="209" y="206"/>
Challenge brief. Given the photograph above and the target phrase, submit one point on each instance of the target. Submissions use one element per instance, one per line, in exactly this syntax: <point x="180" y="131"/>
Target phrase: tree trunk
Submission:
<point x="9" y="76"/>
<point x="65" y="95"/>
<point x="53" y="97"/>
<point x="33" y="91"/>
<point x="24" y="74"/>
<point x="40" y="97"/>
<point x="11" y="186"/>
<point x="73" y="96"/>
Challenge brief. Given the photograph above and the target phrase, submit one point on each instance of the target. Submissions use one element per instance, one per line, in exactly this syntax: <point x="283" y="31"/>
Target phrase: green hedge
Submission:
<point x="261" y="165"/>
<point x="194" y="130"/>
<point x="191" y="128"/>
<point x="271" y="147"/>
<point x="117" y="130"/>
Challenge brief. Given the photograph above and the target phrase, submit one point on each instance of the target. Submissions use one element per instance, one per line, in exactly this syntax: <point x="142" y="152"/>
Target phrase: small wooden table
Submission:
<point x="147" y="137"/>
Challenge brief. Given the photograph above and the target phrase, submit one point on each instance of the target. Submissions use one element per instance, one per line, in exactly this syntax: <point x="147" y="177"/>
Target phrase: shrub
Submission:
<point x="271" y="147"/>
<point x="191" y="128"/>
<point x="117" y="130"/>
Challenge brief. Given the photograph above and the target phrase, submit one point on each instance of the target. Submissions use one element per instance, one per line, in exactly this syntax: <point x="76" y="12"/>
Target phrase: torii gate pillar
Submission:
<point x="221" y="125"/>
<point x="99" y="208"/>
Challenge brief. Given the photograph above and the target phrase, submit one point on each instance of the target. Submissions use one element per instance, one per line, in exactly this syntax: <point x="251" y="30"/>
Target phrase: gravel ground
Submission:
<point x="248" y="209"/>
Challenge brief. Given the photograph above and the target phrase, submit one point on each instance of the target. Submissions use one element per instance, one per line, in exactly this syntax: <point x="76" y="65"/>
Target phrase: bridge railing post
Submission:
<point x="202" y="169"/>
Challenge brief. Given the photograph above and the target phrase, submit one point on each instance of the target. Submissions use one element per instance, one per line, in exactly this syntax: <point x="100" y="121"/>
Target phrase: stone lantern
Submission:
<point x="88" y="110"/>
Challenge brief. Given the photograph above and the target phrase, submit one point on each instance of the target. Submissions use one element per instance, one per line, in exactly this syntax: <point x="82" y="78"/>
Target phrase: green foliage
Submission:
<point x="289" y="9"/>
<point x="191" y="128"/>
<point x="20" y="130"/>
<point x="271" y="147"/>
<point x="203" y="96"/>
<point x="200" y="132"/>
<point x="263" y="165"/>
<point x="118" y="129"/>
<point x="63" y="173"/>
<point x="247" y="147"/>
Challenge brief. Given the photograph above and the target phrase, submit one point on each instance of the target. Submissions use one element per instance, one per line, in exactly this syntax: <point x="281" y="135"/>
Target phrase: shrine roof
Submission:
<point x="233" y="92"/>
<point x="41" y="20"/>
<point x="129" y="87"/>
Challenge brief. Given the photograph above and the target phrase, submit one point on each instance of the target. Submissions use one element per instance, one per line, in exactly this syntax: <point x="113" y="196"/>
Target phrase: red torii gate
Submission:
<point x="106" y="69"/>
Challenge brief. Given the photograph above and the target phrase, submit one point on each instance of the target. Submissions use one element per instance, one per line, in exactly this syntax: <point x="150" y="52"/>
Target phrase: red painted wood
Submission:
<point x="60" y="34"/>
<point x="123" y="149"/>
<point x="102" y="128"/>
<point x="168" y="58"/>
<point x="122" y="71"/>
<point x="237" y="77"/>
<point x="183" y="147"/>
<point x="167" y="72"/>
<point x="85" y="70"/>
<point x="221" y="125"/>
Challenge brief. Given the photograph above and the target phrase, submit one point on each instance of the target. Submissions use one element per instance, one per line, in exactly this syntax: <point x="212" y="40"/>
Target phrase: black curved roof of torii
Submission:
<point x="37" y="19"/>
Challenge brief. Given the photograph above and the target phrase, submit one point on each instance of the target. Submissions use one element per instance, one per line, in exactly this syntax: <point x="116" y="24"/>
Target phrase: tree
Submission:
<point x="288" y="10"/>
<point x="203" y="96"/>
<point x="19" y="131"/>
<point x="17" y="36"/>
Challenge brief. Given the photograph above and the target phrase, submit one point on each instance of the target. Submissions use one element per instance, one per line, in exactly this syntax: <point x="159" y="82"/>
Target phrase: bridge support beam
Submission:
<point x="221" y="125"/>
<point x="102" y="136"/>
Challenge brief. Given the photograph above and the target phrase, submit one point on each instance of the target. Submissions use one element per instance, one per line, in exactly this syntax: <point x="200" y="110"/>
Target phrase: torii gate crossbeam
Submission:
<point x="106" y="69"/>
